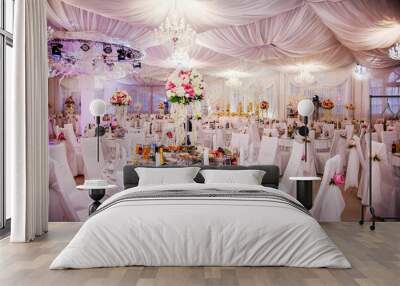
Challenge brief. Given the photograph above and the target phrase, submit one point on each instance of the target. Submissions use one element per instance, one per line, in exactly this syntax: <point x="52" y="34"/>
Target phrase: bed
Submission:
<point x="199" y="224"/>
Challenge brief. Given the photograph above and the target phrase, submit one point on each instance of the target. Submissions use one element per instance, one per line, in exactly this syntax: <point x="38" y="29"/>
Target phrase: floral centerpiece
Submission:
<point x="184" y="87"/>
<point x="264" y="105"/>
<point x="69" y="105"/>
<point x="327" y="104"/>
<point x="349" y="108"/>
<point x="121" y="100"/>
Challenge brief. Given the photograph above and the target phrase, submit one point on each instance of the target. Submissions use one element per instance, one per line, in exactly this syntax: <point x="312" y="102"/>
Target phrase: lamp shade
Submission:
<point x="305" y="107"/>
<point x="97" y="107"/>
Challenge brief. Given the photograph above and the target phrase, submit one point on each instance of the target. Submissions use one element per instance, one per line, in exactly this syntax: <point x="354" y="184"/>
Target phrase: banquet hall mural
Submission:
<point x="224" y="92"/>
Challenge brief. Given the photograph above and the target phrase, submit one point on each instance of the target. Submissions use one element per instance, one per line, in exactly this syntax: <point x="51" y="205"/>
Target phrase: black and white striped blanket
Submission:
<point x="205" y="194"/>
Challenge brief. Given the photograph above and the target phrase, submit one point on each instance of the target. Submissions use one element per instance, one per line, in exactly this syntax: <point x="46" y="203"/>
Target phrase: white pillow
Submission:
<point x="166" y="176"/>
<point x="248" y="177"/>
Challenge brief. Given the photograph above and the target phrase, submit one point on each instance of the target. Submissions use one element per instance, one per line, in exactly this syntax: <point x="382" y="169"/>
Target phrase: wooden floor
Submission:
<point x="375" y="257"/>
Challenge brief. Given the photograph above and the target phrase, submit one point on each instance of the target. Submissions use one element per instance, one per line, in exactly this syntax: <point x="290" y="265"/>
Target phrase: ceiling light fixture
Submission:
<point x="360" y="71"/>
<point x="304" y="78"/>
<point x="394" y="52"/>
<point x="233" y="79"/>
<point x="175" y="30"/>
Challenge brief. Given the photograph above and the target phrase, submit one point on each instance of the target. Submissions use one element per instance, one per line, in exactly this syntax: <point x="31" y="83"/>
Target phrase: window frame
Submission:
<point x="6" y="39"/>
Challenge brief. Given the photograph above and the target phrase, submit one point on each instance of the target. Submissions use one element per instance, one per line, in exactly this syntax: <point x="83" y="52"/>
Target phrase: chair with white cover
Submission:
<point x="297" y="167"/>
<point x="353" y="165"/>
<point x="65" y="202"/>
<point x="74" y="152"/>
<point x="93" y="169"/>
<point x="206" y="139"/>
<point x="269" y="151"/>
<point x="240" y="142"/>
<point x="271" y="132"/>
<point x="329" y="203"/>
<point x="388" y="138"/>
<point x="349" y="129"/>
<point x="383" y="190"/>
<point x="339" y="146"/>
<point x="328" y="129"/>
<point x="397" y="128"/>
<point x="254" y="142"/>
<point x="378" y="129"/>
<point x="168" y="134"/>
<point x="219" y="139"/>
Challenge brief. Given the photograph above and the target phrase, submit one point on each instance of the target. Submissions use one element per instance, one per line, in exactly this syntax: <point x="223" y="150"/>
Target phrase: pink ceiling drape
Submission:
<point x="267" y="33"/>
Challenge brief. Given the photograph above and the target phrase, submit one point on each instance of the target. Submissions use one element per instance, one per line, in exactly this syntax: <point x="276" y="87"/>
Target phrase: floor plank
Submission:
<point x="375" y="257"/>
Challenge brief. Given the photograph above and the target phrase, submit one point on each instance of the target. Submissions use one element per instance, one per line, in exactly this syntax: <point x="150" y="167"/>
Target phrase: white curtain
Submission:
<point x="27" y="133"/>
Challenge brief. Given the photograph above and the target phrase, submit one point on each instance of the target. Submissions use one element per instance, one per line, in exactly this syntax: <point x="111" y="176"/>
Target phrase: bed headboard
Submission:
<point x="270" y="179"/>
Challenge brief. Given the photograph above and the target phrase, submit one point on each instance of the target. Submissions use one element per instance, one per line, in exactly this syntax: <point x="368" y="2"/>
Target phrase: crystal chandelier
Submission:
<point x="233" y="82"/>
<point x="304" y="78"/>
<point x="394" y="52"/>
<point x="360" y="70"/>
<point x="176" y="31"/>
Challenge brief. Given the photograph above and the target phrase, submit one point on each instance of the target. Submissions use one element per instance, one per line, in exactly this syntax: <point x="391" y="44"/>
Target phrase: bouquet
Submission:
<point x="349" y="106"/>
<point x="120" y="98"/>
<point x="264" y="105"/>
<point x="351" y="143"/>
<point x="184" y="87"/>
<point x="327" y="104"/>
<point x="337" y="180"/>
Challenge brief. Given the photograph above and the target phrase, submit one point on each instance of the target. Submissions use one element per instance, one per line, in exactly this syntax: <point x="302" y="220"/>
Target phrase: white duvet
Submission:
<point x="219" y="232"/>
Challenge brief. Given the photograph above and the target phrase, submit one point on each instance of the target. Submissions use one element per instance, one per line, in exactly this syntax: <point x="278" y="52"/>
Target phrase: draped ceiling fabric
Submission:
<point x="265" y="33"/>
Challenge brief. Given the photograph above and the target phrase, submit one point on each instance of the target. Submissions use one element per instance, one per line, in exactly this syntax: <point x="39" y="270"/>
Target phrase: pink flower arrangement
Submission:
<point x="61" y="136"/>
<point x="184" y="87"/>
<point x="264" y="105"/>
<point x="337" y="180"/>
<point x="349" y="106"/>
<point x="327" y="104"/>
<point x="120" y="97"/>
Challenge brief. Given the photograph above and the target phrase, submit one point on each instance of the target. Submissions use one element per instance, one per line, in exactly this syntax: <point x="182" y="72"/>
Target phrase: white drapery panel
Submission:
<point x="377" y="26"/>
<point x="208" y="15"/>
<point x="273" y="38"/>
<point x="27" y="132"/>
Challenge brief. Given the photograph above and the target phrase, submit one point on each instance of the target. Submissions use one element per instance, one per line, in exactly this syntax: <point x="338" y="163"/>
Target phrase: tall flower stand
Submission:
<point x="328" y="115"/>
<point x="179" y="115"/>
<point x="121" y="113"/>
<point x="350" y="114"/>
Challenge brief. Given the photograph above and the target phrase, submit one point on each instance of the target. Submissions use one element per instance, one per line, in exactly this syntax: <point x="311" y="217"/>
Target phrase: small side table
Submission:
<point x="304" y="191"/>
<point x="96" y="194"/>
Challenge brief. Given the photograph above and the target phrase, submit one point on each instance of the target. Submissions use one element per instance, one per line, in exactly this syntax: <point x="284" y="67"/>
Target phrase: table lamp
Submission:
<point x="305" y="109"/>
<point x="98" y="109"/>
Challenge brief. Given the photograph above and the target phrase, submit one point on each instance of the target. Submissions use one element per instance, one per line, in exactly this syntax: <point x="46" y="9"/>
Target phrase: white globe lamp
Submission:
<point x="305" y="109"/>
<point x="98" y="108"/>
